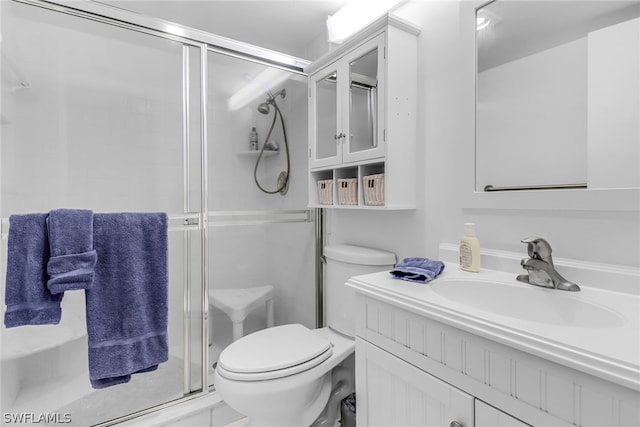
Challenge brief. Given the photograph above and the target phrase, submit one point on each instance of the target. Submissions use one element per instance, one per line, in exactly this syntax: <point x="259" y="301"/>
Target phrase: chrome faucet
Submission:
<point x="540" y="268"/>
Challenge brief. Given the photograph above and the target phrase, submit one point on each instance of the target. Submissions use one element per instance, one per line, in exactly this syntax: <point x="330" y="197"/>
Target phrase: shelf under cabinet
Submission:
<point x="372" y="183"/>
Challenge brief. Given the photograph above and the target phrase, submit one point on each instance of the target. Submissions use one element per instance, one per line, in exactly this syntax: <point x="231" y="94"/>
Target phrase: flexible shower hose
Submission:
<point x="283" y="185"/>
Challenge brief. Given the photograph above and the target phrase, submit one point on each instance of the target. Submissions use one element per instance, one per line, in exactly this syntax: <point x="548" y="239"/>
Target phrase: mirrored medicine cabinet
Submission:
<point x="558" y="103"/>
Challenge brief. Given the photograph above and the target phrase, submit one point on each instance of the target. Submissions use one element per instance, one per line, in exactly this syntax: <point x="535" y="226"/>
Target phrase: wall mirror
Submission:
<point x="557" y="95"/>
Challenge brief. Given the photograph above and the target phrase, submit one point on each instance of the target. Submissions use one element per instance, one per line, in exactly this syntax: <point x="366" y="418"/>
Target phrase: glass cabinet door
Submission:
<point x="324" y="120"/>
<point x="362" y="119"/>
<point x="347" y="106"/>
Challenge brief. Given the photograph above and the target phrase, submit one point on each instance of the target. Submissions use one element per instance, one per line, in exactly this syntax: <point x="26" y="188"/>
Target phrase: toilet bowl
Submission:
<point x="282" y="376"/>
<point x="291" y="384"/>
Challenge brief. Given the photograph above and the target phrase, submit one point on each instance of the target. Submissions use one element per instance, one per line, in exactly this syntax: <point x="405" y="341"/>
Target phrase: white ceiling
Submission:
<point x="286" y="26"/>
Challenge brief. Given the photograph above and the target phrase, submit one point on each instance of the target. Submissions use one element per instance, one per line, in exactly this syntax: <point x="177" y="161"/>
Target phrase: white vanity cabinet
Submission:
<point x="417" y="366"/>
<point x="362" y="117"/>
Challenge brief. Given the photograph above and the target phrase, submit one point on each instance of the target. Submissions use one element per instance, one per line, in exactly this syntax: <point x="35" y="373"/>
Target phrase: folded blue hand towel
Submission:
<point x="420" y="270"/>
<point x="73" y="258"/>
<point x="28" y="300"/>
<point x="127" y="308"/>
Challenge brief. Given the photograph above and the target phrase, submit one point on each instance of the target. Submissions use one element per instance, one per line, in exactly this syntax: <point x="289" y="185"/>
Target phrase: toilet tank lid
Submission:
<point x="359" y="255"/>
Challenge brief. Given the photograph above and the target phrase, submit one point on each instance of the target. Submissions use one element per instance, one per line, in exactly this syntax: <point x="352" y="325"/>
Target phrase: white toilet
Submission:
<point x="281" y="376"/>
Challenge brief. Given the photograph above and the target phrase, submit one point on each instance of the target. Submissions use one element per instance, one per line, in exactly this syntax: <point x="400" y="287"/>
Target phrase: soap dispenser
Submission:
<point x="470" y="249"/>
<point x="253" y="139"/>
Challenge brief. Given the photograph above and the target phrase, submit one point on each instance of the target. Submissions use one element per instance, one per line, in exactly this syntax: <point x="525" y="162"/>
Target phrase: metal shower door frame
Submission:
<point x="188" y="220"/>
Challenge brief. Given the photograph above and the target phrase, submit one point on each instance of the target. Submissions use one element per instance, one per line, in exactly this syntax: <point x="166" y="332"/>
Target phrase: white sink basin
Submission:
<point x="528" y="303"/>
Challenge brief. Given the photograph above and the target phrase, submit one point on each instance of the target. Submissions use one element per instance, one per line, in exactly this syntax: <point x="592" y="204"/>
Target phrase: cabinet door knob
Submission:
<point x="455" y="424"/>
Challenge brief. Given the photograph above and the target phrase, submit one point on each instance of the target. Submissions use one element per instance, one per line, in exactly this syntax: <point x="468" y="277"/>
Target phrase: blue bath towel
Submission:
<point x="28" y="300"/>
<point x="127" y="308"/>
<point x="73" y="258"/>
<point x="421" y="270"/>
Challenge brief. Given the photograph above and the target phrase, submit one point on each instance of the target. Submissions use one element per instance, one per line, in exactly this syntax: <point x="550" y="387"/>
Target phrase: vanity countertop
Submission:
<point x="595" y="331"/>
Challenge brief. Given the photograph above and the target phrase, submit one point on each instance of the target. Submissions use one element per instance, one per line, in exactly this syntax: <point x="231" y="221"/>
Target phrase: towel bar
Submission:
<point x="189" y="221"/>
<point x="490" y="188"/>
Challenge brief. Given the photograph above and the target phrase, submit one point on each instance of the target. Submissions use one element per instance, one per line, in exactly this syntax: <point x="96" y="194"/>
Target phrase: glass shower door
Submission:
<point x="261" y="246"/>
<point x="93" y="117"/>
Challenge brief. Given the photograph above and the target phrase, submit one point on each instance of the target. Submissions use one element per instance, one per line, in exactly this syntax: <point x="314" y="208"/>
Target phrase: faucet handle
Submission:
<point x="538" y="248"/>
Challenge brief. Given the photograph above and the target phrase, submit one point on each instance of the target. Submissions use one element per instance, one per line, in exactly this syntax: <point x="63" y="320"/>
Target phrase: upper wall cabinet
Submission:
<point x="347" y="104"/>
<point x="362" y="124"/>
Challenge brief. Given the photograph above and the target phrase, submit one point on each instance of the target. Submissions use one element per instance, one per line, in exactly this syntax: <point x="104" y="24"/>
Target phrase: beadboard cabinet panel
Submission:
<point x="395" y="393"/>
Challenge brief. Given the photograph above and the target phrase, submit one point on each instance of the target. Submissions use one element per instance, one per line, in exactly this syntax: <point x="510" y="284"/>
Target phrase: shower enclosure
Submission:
<point x="112" y="111"/>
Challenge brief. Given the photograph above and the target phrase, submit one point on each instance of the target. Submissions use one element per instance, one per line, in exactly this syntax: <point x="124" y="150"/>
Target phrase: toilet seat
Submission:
<point x="273" y="353"/>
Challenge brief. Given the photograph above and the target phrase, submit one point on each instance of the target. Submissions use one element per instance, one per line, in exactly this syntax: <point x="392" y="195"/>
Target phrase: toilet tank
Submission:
<point x="344" y="262"/>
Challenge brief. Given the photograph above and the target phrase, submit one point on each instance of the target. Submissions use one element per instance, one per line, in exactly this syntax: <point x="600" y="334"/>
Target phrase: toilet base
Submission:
<point x="343" y="385"/>
<point x="272" y="416"/>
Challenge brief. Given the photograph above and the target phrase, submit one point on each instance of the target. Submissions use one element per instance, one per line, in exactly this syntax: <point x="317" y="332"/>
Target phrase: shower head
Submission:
<point x="264" y="107"/>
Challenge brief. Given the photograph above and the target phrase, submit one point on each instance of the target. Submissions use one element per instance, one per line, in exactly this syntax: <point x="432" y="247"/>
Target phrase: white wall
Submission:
<point x="445" y="160"/>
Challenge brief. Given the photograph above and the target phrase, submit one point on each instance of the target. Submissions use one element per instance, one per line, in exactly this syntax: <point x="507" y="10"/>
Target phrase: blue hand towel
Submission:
<point x="73" y="258"/>
<point x="127" y="308"/>
<point x="421" y="270"/>
<point x="28" y="300"/>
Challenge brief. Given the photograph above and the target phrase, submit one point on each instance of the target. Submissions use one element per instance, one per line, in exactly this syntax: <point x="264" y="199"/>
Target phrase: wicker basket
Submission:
<point x="348" y="191"/>
<point x="325" y="192"/>
<point x="373" y="188"/>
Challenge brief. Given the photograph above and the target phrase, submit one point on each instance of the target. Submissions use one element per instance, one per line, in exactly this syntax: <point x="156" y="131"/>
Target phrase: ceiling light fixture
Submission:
<point x="486" y="18"/>
<point x="356" y="15"/>
<point x="482" y="21"/>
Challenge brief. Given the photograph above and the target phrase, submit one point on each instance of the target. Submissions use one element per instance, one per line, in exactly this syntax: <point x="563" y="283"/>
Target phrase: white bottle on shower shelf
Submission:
<point x="470" y="249"/>
<point x="253" y="140"/>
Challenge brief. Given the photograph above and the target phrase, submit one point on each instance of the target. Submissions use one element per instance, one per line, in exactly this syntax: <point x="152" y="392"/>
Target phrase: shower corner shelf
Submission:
<point x="255" y="153"/>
